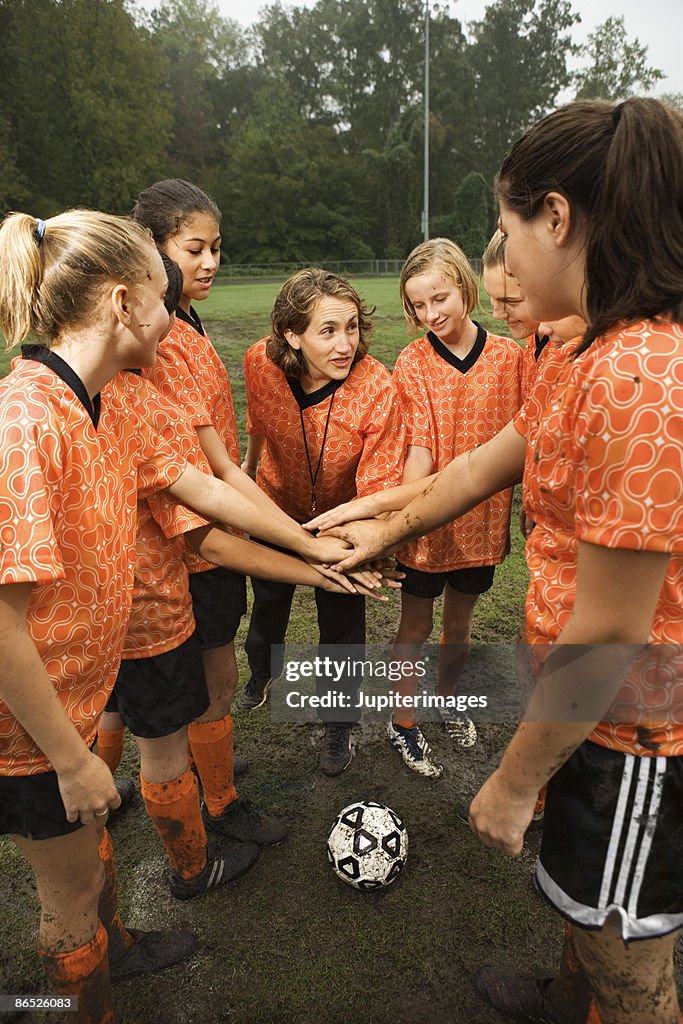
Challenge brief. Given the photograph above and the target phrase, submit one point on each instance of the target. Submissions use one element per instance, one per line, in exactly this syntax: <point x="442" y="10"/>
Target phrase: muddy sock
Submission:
<point x="211" y="744"/>
<point x="119" y="938"/>
<point x="570" y="994"/>
<point x="175" y="813"/>
<point x="110" y="747"/>
<point x="83" y="972"/>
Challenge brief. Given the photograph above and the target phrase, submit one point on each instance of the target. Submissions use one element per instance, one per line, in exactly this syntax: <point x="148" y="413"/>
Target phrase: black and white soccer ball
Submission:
<point x="367" y="845"/>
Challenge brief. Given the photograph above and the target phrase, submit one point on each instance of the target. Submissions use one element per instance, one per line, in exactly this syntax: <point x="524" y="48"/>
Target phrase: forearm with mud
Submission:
<point x="575" y="689"/>
<point x="464" y="483"/>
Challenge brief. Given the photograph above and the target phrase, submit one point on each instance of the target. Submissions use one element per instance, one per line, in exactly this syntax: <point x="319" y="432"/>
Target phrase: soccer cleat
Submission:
<point x="127" y="792"/>
<point x="337" y="753"/>
<point x="459" y="728"/>
<point x="414" y="749"/>
<point x="535" y="998"/>
<point x="224" y="863"/>
<point x="152" y="951"/>
<point x="463" y="813"/>
<point x="254" y="694"/>
<point x="243" y="822"/>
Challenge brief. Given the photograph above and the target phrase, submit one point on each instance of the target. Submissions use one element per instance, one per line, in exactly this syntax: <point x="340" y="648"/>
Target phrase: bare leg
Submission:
<point x="458" y="613"/>
<point x="414" y="630"/>
<point x="73" y="944"/>
<point x="634" y="983"/>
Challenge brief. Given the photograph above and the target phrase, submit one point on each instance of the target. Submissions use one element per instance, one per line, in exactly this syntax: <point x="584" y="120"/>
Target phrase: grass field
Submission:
<point x="290" y="944"/>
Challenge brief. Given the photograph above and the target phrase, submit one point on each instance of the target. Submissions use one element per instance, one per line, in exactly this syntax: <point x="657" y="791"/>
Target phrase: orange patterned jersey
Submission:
<point x="450" y="406"/>
<point x="161" y="615"/>
<point x="605" y="467"/>
<point x="556" y="364"/>
<point x="534" y="354"/>
<point x="68" y="497"/>
<point x="189" y="372"/>
<point x="363" y="449"/>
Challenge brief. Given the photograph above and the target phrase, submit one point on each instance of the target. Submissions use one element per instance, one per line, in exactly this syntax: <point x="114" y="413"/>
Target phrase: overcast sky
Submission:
<point x="657" y="23"/>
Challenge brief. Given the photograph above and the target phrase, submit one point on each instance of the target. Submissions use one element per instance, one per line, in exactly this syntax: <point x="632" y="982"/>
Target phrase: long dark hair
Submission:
<point x="621" y="168"/>
<point x="167" y="205"/>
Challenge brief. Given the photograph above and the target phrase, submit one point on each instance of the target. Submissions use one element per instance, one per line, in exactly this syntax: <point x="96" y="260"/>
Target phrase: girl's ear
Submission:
<point x="558" y="217"/>
<point x="292" y="340"/>
<point x="120" y="304"/>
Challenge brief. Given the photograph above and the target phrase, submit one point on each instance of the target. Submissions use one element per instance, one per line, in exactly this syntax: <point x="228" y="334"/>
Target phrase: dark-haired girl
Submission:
<point x="591" y="202"/>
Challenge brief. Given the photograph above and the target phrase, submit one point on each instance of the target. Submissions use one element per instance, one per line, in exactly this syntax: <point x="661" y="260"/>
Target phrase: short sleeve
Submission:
<point x="30" y="461"/>
<point x="251" y="380"/>
<point x="628" y="435"/>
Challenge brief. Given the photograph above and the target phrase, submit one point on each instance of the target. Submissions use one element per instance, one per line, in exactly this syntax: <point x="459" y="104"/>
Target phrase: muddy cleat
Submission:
<point x="255" y="694"/>
<point x="127" y="792"/>
<point x="152" y="951"/>
<point x="414" y="749"/>
<point x="337" y="753"/>
<point x="459" y="728"/>
<point x="537" y="998"/>
<point x="225" y="862"/>
<point x="463" y="813"/>
<point x="242" y="821"/>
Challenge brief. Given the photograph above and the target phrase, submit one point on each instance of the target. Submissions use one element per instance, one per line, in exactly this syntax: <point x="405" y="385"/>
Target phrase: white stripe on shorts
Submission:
<point x="617" y="824"/>
<point x="646" y="843"/>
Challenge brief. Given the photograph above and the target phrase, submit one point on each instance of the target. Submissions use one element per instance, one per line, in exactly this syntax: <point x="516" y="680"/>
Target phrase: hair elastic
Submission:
<point x="39" y="230"/>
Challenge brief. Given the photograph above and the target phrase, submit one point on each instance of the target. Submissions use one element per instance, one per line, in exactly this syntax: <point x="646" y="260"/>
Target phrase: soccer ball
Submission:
<point x="367" y="845"/>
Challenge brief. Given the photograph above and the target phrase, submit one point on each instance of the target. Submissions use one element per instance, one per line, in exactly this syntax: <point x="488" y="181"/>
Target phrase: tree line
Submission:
<point x="306" y="127"/>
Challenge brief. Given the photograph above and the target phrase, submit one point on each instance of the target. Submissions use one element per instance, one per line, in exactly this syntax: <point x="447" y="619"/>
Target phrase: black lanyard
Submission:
<point x="314" y="476"/>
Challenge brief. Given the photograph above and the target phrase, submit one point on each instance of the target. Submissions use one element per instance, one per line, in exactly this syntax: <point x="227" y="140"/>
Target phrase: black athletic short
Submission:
<point x="159" y="695"/>
<point x="31" y="806"/>
<point x="613" y="841"/>
<point x="219" y="600"/>
<point x="476" y="580"/>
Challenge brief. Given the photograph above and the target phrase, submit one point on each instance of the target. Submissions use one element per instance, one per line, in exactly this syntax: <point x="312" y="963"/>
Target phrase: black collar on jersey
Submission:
<point x="540" y="344"/>
<point x="191" y="318"/>
<point x="470" y="359"/>
<point x="305" y="401"/>
<point x="40" y="354"/>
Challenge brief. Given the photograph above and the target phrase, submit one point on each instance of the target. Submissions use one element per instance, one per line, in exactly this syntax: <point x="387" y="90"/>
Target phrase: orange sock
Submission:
<point x="84" y="972"/>
<point x="110" y="747"/>
<point x="211" y="744"/>
<point x="539" y="807"/>
<point x="119" y="938"/>
<point x="175" y="813"/>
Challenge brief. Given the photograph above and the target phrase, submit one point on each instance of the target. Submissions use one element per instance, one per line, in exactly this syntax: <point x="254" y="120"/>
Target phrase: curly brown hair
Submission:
<point x="293" y="309"/>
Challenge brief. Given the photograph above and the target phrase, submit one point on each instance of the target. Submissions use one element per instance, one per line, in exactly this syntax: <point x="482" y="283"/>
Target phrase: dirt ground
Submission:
<point x="290" y="943"/>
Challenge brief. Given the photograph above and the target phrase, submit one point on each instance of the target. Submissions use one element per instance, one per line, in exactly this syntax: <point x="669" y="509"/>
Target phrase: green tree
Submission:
<point x="290" y="190"/>
<point x="518" y="60"/>
<point x="471" y="215"/>
<point x="202" y="52"/>
<point x="81" y="89"/>
<point x="617" y="68"/>
<point x="352" y="63"/>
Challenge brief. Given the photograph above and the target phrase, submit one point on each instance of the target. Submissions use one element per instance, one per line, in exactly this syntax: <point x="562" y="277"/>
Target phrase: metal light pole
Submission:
<point x="425" y="198"/>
